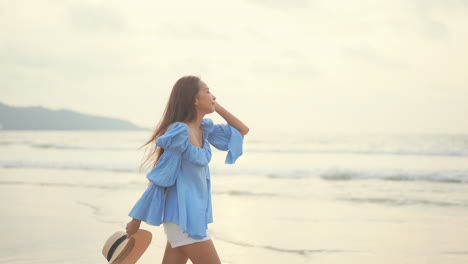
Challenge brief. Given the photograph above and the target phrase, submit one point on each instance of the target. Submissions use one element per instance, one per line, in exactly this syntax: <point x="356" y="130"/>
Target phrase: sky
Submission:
<point x="323" y="66"/>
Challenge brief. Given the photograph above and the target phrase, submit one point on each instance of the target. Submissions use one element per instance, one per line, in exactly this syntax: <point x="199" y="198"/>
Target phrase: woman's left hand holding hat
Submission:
<point x="132" y="227"/>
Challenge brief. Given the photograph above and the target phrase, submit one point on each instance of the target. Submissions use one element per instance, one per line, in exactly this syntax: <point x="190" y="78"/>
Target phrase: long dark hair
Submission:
<point x="179" y="108"/>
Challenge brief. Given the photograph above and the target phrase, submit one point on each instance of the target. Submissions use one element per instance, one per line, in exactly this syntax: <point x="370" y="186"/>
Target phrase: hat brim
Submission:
<point x="134" y="249"/>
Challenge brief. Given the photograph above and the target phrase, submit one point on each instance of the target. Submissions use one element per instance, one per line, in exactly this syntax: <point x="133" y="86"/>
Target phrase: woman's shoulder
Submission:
<point x="178" y="125"/>
<point x="181" y="129"/>
<point x="207" y="126"/>
<point x="177" y="134"/>
<point x="177" y="128"/>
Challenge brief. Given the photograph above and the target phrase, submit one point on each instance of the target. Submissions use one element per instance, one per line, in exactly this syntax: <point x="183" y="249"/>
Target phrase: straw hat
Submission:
<point x="119" y="249"/>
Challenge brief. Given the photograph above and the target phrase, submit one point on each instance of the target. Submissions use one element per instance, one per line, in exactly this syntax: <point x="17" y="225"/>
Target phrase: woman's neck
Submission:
<point x="197" y="122"/>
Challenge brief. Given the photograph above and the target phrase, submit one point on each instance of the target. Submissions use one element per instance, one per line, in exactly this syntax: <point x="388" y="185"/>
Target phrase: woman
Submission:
<point x="179" y="194"/>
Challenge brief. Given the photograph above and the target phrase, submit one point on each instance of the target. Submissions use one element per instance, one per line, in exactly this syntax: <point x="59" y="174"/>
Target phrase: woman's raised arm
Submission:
<point x="231" y="119"/>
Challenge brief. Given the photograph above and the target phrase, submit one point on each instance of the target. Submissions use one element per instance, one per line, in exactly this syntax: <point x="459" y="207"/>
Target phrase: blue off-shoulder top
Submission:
<point x="181" y="187"/>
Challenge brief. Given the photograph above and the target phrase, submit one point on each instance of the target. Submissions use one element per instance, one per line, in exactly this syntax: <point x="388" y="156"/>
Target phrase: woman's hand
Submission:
<point x="231" y="119"/>
<point x="217" y="106"/>
<point x="132" y="227"/>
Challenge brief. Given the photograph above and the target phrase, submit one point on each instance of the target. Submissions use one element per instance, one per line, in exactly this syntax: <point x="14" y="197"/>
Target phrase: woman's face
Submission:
<point x="204" y="101"/>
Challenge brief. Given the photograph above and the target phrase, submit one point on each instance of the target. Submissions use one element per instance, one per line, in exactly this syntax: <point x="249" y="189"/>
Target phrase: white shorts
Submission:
<point x="177" y="237"/>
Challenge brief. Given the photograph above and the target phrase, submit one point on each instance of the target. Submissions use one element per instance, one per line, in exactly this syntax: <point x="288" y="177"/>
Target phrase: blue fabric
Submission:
<point x="180" y="190"/>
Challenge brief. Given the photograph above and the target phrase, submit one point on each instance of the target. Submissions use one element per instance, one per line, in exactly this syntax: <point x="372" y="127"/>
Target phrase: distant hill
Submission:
<point x="39" y="118"/>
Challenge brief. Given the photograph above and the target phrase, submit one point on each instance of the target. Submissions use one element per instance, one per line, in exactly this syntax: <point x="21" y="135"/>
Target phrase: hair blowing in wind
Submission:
<point x="179" y="108"/>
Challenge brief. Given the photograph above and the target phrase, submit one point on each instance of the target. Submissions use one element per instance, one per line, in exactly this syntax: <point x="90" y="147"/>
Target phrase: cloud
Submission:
<point x="96" y="18"/>
<point x="283" y="69"/>
<point x="371" y="56"/>
<point x="426" y="13"/>
<point x="281" y="61"/>
<point x="283" y="5"/>
<point x="190" y="31"/>
<point x="434" y="17"/>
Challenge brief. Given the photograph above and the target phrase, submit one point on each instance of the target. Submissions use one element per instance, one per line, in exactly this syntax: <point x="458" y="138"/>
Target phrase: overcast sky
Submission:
<point x="305" y="65"/>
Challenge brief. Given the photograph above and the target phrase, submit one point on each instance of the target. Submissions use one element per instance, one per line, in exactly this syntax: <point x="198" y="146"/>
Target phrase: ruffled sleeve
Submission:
<point x="150" y="207"/>
<point x="174" y="142"/>
<point x="225" y="137"/>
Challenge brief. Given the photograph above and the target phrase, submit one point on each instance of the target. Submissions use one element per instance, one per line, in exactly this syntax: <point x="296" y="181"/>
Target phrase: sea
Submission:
<point x="296" y="197"/>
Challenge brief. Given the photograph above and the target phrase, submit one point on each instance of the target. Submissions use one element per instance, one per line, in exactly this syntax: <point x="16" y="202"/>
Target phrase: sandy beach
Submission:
<point x="49" y="218"/>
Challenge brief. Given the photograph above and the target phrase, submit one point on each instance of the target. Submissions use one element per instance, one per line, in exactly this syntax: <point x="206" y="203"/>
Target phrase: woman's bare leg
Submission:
<point x="174" y="255"/>
<point x="201" y="252"/>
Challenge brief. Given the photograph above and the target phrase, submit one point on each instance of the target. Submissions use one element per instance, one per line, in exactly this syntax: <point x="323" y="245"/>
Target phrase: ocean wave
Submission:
<point x="67" y="166"/>
<point x="343" y="174"/>
<point x="246" y="193"/>
<point x="36" y="145"/>
<point x="66" y="185"/>
<point x="455" y="252"/>
<point x="402" y="201"/>
<point x="74" y="147"/>
<point x="302" y="252"/>
<point x="409" y="152"/>
<point x="445" y="176"/>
